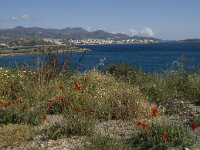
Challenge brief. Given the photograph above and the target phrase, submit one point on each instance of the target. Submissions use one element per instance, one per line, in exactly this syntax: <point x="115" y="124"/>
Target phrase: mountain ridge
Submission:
<point x="20" y="32"/>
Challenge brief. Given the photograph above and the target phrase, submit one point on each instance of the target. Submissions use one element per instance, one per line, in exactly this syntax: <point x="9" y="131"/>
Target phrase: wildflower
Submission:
<point x="164" y="136"/>
<point x="193" y="126"/>
<point x="77" y="110"/>
<point x="7" y="104"/>
<point x="138" y="123"/>
<point x="78" y="87"/>
<point x="69" y="101"/>
<point x="50" y="101"/>
<point x="56" y="97"/>
<point x="143" y="126"/>
<point x="133" y="113"/>
<point x="43" y="117"/>
<point x="88" y="112"/>
<point x="61" y="88"/>
<point x="60" y="98"/>
<point x="154" y="111"/>
<point x="47" y="105"/>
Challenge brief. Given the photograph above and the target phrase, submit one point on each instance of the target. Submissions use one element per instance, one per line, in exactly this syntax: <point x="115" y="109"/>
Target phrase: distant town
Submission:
<point x="111" y="41"/>
<point x="71" y="42"/>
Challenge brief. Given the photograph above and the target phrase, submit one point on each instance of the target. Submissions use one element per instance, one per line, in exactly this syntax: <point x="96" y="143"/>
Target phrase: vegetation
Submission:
<point x="30" y="98"/>
<point x="14" y="134"/>
<point x="106" y="143"/>
<point x="162" y="136"/>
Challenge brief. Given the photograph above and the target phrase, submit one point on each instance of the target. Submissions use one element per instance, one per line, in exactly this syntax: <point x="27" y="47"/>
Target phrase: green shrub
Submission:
<point x="151" y="138"/>
<point x="15" y="134"/>
<point x="121" y="70"/>
<point x="76" y="123"/>
<point x="17" y="114"/>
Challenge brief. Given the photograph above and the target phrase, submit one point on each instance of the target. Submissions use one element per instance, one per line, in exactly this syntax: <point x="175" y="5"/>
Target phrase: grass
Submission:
<point x="27" y="97"/>
<point x="14" y="134"/>
<point x="106" y="143"/>
<point x="162" y="136"/>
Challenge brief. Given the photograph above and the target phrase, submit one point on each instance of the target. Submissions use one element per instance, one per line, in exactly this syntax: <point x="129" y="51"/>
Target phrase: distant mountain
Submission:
<point x="191" y="40"/>
<point x="66" y="33"/>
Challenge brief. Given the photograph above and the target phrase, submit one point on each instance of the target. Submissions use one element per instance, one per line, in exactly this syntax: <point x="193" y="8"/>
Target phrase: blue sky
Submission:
<point x="166" y="19"/>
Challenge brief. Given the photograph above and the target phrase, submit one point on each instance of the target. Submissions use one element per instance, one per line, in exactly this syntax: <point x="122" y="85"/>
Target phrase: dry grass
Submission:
<point x="118" y="100"/>
<point x="14" y="134"/>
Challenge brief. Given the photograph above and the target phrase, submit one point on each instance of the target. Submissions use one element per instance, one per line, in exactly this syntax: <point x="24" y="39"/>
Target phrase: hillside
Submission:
<point x="66" y="33"/>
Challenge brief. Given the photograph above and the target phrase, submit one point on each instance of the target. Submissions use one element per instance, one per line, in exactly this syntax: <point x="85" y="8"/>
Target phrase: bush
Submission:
<point x="162" y="136"/>
<point x="14" y="134"/>
<point x="122" y="71"/>
<point x="114" y="99"/>
<point x="20" y="114"/>
<point x="75" y="124"/>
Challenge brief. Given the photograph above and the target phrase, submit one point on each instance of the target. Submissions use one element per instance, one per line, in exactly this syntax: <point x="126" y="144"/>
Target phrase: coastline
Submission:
<point x="32" y="51"/>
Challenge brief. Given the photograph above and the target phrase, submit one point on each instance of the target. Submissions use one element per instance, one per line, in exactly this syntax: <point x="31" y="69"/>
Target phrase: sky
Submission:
<point x="165" y="19"/>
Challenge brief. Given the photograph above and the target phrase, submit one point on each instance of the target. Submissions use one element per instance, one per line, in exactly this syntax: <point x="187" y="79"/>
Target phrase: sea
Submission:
<point x="146" y="57"/>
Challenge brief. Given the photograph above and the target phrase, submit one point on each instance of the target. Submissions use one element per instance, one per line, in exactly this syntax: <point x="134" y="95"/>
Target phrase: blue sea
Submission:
<point x="147" y="57"/>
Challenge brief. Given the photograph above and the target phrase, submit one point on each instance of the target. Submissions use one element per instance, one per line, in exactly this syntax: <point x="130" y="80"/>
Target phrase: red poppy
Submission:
<point x="47" y="105"/>
<point x="43" y="117"/>
<point x="164" y="136"/>
<point x="69" y="101"/>
<point x="193" y="126"/>
<point x="143" y="126"/>
<point x="60" y="98"/>
<point x="77" y="110"/>
<point x="154" y="111"/>
<point x="56" y="97"/>
<point x="138" y="123"/>
<point x="88" y="112"/>
<point x="7" y="104"/>
<point x="133" y="113"/>
<point x="51" y="101"/>
<point x="61" y="88"/>
<point x="78" y="87"/>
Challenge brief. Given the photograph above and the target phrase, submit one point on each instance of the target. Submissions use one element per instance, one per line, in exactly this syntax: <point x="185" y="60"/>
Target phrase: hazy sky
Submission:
<point x="166" y="19"/>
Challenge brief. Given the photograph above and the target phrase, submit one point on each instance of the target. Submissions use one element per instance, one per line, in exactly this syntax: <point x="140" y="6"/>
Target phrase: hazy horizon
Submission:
<point x="168" y="20"/>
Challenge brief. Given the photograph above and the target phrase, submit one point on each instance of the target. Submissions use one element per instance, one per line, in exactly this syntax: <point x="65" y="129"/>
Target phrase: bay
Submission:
<point x="147" y="57"/>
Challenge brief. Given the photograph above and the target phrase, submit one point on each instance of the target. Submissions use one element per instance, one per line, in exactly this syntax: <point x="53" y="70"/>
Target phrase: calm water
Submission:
<point x="149" y="57"/>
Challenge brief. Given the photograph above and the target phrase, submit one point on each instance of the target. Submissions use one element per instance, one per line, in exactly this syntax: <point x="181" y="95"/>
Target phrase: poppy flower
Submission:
<point x="88" y="112"/>
<point x="143" y="126"/>
<point x="56" y="97"/>
<point x="164" y="136"/>
<point x="193" y="126"/>
<point x="61" y="88"/>
<point x="78" y="87"/>
<point x="133" y="113"/>
<point x="43" y="117"/>
<point x="60" y="98"/>
<point x="77" y="110"/>
<point x="138" y="123"/>
<point x="7" y="104"/>
<point x="154" y="111"/>
<point x="47" y="105"/>
<point x="69" y="101"/>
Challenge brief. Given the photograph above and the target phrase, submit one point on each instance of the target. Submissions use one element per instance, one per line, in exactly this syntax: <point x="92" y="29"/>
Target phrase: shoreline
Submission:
<point x="27" y="52"/>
